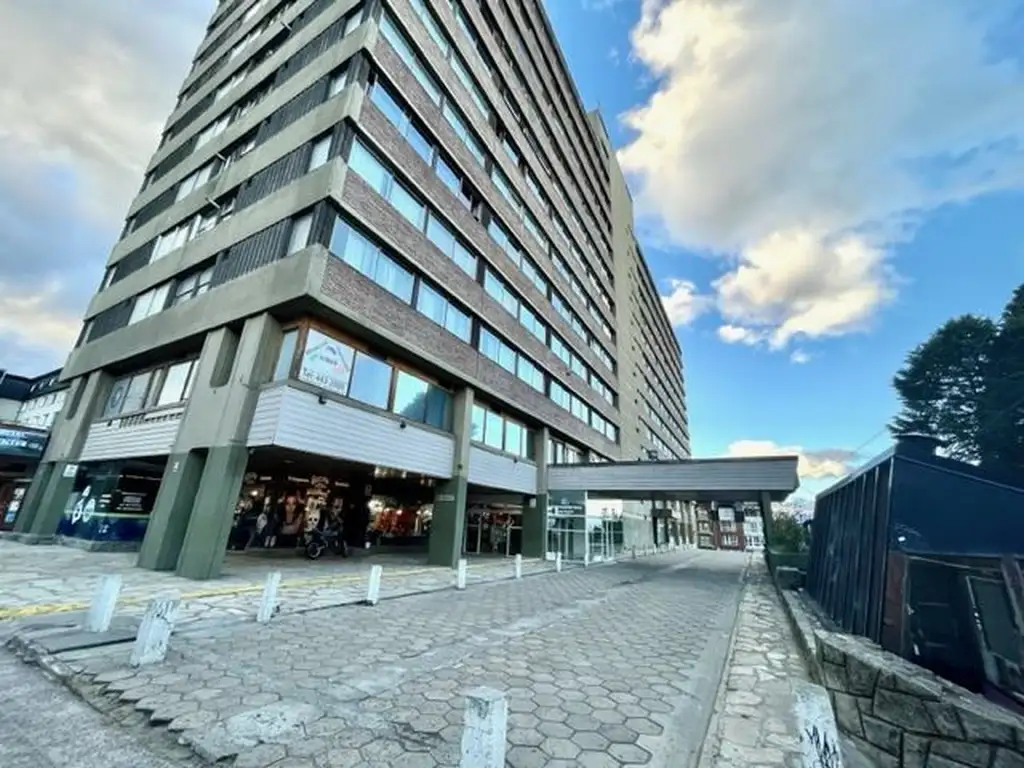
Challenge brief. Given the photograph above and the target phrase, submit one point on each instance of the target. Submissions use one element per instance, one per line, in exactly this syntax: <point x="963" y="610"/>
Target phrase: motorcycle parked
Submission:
<point x="329" y="538"/>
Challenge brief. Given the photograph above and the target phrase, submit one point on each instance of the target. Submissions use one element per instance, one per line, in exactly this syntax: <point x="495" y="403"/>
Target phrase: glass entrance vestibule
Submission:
<point x="592" y="530"/>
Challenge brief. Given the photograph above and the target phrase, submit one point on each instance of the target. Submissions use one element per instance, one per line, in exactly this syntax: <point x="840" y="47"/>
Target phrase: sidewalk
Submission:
<point x="53" y="580"/>
<point x="602" y="668"/>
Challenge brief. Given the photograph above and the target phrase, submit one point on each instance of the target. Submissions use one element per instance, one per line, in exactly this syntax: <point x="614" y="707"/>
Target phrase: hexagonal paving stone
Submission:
<point x="260" y="756"/>
<point x="342" y="758"/>
<point x="551" y="714"/>
<point x="609" y="716"/>
<point x="555" y="730"/>
<point x="524" y="737"/>
<point x="526" y="757"/>
<point x="355" y="738"/>
<point x="591" y="740"/>
<point x="630" y="753"/>
<point x="428" y="723"/>
<point x="560" y="748"/>
<point x="645" y="726"/>
<point x="521" y="720"/>
<point x="413" y="760"/>
<point x="597" y="760"/>
<point x="620" y="734"/>
<point x="582" y="723"/>
<point x="577" y="707"/>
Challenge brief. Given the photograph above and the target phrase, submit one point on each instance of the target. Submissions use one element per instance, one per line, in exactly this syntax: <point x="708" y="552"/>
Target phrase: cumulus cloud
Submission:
<point x="86" y="87"/>
<point x="683" y="304"/>
<point x="802" y="140"/>
<point x="812" y="465"/>
<point x="799" y="357"/>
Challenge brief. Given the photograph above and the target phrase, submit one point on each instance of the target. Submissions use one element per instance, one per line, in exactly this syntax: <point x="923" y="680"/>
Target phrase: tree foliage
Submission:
<point x="788" y="534"/>
<point x="965" y="386"/>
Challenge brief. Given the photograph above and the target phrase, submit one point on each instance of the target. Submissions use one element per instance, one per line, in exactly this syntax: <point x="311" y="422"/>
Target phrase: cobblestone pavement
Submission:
<point x="41" y="580"/>
<point x="46" y="726"/>
<point x="754" y="723"/>
<point x="608" y="666"/>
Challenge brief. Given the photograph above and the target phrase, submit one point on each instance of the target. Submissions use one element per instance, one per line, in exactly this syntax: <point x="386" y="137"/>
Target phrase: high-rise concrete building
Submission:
<point x="382" y="265"/>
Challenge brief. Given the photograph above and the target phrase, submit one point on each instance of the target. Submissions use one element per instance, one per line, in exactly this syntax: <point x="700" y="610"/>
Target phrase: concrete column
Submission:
<point x="168" y="521"/>
<point x="49" y="492"/>
<point x="192" y="517"/>
<point x="448" y="527"/>
<point x="30" y="504"/>
<point x="535" y="518"/>
<point x="768" y="522"/>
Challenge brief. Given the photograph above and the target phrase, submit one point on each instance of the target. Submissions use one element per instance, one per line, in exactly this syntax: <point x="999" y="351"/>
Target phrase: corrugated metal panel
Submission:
<point x="275" y="176"/>
<point x="156" y="206"/>
<point x="311" y="50"/>
<point x="133" y="262"/>
<point x="497" y="471"/>
<point x="353" y="434"/>
<point x="259" y="250"/>
<point x="132" y="437"/>
<point x="776" y="475"/>
<point x="265" y="418"/>
<point x="110" y="320"/>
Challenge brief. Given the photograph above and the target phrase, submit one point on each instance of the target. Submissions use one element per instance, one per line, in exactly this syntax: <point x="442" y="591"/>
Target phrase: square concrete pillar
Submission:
<point x="172" y="510"/>
<point x="448" y="526"/>
<point x="194" y="510"/>
<point x="52" y="502"/>
<point x="30" y="504"/>
<point x="535" y="509"/>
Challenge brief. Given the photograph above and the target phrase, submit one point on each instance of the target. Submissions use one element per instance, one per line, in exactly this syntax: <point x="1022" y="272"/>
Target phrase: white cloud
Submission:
<point x="811" y="465"/>
<point x="683" y="304"/>
<point x="804" y="139"/>
<point x="734" y="334"/>
<point x="86" y="87"/>
<point x="799" y="357"/>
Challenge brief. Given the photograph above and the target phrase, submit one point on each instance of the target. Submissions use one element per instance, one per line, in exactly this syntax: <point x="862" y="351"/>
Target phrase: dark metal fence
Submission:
<point x="920" y="554"/>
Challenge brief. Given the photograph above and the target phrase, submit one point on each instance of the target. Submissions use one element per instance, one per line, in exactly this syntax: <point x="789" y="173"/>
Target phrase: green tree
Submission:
<point x="1001" y="431"/>
<point x="788" y="535"/>
<point x="941" y="386"/>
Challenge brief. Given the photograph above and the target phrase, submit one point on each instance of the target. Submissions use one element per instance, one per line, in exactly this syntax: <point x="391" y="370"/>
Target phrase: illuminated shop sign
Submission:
<point x="21" y="443"/>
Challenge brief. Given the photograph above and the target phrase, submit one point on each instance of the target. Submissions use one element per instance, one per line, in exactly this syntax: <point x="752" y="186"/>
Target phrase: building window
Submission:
<point x="156" y="387"/>
<point x="362" y="255"/>
<point x="150" y="303"/>
<point x="333" y="365"/>
<point x="193" y="285"/>
<point x="286" y="356"/>
<point x="298" y="238"/>
<point x="501" y="433"/>
<point x="320" y="152"/>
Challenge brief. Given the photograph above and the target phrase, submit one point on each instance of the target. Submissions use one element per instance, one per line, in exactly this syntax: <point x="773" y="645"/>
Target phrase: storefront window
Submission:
<point x="371" y="379"/>
<point x="284" y="359"/>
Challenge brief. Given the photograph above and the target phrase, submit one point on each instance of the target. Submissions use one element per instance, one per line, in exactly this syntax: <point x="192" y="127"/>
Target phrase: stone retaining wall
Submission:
<point x="901" y="715"/>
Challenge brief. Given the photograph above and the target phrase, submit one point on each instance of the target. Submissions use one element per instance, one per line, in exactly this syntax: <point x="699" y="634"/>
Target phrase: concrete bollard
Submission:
<point x="268" y="600"/>
<point x="484" y="726"/>
<point x="517" y="566"/>
<point x="104" y="601"/>
<point x="155" y="632"/>
<point x="586" y="559"/>
<point x="373" y="585"/>
<point x="558" y="562"/>
<point x="460" y="574"/>
<point x="634" y="553"/>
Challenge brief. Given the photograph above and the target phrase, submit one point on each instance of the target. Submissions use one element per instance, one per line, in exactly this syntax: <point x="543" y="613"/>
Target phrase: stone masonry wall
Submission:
<point x="902" y="715"/>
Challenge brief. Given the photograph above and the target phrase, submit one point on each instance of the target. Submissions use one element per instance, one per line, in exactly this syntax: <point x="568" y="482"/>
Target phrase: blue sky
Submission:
<point x="814" y="194"/>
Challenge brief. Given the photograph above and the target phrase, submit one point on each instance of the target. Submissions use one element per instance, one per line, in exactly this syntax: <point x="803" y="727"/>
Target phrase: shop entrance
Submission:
<point x="494" y="529"/>
<point x="285" y="495"/>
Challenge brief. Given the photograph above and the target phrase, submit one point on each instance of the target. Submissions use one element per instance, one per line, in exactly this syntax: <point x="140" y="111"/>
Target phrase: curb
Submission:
<point x="704" y="758"/>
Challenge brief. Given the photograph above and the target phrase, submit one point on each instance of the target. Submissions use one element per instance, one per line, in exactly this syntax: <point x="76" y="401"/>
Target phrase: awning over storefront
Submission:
<point x="21" y="443"/>
<point x="727" y="479"/>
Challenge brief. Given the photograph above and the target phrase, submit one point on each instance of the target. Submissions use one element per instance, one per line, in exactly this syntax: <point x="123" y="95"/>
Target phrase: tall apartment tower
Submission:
<point x="382" y="252"/>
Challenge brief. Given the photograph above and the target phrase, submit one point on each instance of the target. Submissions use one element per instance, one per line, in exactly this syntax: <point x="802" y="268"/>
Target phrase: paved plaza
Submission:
<point x="43" y="580"/>
<point x="679" y="659"/>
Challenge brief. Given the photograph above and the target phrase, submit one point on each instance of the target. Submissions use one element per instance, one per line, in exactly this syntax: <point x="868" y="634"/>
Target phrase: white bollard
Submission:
<point x="586" y="559"/>
<point x="268" y="600"/>
<point x="558" y="562"/>
<point x="517" y="567"/>
<point x="483" y="735"/>
<point x="460" y="574"/>
<point x="373" y="586"/>
<point x="104" y="601"/>
<point x="155" y="632"/>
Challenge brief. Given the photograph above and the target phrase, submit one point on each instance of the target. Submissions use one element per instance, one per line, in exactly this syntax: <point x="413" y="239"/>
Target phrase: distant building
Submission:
<point x="729" y="527"/>
<point x="28" y="408"/>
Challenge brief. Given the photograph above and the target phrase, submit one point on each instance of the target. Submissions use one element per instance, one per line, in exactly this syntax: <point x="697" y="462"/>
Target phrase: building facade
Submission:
<point x="28" y="407"/>
<point x="381" y="265"/>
